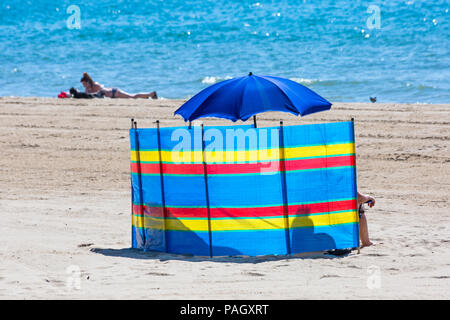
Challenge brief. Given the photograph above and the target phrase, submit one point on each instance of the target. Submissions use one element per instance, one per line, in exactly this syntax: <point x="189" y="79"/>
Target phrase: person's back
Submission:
<point x="90" y="85"/>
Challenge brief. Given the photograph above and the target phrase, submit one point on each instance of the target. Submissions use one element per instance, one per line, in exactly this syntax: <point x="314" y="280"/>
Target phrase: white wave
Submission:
<point x="304" y="80"/>
<point x="212" y="80"/>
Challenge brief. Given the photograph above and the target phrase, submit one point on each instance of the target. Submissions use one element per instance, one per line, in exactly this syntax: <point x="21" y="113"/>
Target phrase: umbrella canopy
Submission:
<point x="240" y="98"/>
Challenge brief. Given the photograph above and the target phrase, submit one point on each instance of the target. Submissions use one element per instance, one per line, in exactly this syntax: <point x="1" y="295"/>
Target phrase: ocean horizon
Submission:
<point x="346" y="51"/>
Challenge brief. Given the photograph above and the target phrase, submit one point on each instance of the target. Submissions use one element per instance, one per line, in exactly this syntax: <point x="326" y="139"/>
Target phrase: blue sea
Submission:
<point x="397" y="51"/>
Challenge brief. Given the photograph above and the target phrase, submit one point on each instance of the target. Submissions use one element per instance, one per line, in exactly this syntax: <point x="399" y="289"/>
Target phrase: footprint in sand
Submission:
<point x="254" y="274"/>
<point x="376" y="255"/>
<point x="83" y="245"/>
<point x="441" y="277"/>
<point x="414" y="255"/>
<point x="329" y="276"/>
<point x="162" y="274"/>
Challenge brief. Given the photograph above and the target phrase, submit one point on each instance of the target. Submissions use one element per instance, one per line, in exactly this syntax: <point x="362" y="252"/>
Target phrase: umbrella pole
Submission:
<point x="190" y="124"/>
<point x="163" y="197"/>
<point x="205" y="174"/>
<point x="254" y="122"/>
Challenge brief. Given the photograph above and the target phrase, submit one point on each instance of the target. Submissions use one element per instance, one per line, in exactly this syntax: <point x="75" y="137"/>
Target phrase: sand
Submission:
<point x="65" y="209"/>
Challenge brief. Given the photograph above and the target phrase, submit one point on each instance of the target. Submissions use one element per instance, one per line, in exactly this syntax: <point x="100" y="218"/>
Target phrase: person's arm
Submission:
<point x="362" y="198"/>
<point x="96" y="87"/>
<point x="88" y="89"/>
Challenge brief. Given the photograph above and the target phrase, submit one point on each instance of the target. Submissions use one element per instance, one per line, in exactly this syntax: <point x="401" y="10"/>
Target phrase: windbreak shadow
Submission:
<point x="187" y="245"/>
<point x="130" y="253"/>
<point x="178" y="236"/>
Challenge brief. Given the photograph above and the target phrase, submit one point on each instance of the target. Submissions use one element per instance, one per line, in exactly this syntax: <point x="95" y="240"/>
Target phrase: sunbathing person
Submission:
<point x="94" y="87"/>
<point x="363" y="229"/>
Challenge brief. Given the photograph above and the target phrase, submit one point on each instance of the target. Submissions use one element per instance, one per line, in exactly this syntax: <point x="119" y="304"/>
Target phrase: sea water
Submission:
<point x="397" y="51"/>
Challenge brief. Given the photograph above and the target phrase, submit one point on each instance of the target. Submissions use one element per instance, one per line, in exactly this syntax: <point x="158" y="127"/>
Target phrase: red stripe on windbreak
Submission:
<point x="317" y="163"/>
<point x="322" y="207"/>
<point x="168" y="168"/>
<point x="237" y="168"/>
<point x="245" y="212"/>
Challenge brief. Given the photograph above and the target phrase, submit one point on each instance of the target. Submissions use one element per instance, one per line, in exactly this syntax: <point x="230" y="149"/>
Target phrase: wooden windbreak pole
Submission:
<point x="284" y="189"/>
<point x="163" y="194"/>
<point x="139" y="170"/>
<point x="205" y="174"/>
<point x="355" y="181"/>
<point x="132" y="193"/>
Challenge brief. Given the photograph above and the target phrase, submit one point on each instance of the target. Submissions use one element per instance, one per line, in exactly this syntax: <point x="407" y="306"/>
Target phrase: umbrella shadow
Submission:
<point x="304" y="236"/>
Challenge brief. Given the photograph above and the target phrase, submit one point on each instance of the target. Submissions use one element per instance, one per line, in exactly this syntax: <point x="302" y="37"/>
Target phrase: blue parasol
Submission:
<point x="243" y="97"/>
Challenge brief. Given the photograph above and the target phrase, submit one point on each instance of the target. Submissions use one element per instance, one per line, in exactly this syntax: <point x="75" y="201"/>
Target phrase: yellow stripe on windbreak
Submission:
<point x="246" y="224"/>
<point x="246" y="155"/>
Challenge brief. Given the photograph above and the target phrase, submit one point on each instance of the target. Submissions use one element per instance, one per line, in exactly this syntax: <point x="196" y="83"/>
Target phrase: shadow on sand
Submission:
<point x="131" y="253"/>
<point x="304" y="239"/>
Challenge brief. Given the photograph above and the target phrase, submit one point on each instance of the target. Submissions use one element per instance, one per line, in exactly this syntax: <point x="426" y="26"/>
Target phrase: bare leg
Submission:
<point x="364" y="231"/>
<point x="125" y="95"/>
<point x="152" y="95"/>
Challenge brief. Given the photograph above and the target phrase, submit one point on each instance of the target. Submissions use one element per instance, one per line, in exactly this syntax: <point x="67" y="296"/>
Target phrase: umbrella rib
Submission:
<point x="242" y="99"/>
<point x="280" y="84"/>
<point x="290" y="107"/>
<point x="218" y="87"/>
<point x="201" y="105"/>
<point x="294" y="109"/>
<point x="197" y="111"/>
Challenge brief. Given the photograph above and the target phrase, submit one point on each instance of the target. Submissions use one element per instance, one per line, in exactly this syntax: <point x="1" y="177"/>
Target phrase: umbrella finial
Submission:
<point x="250" y="74"/>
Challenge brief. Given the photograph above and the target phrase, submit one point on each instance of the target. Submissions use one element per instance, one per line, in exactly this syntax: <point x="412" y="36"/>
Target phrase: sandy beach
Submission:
<point x="65" y="209"/>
